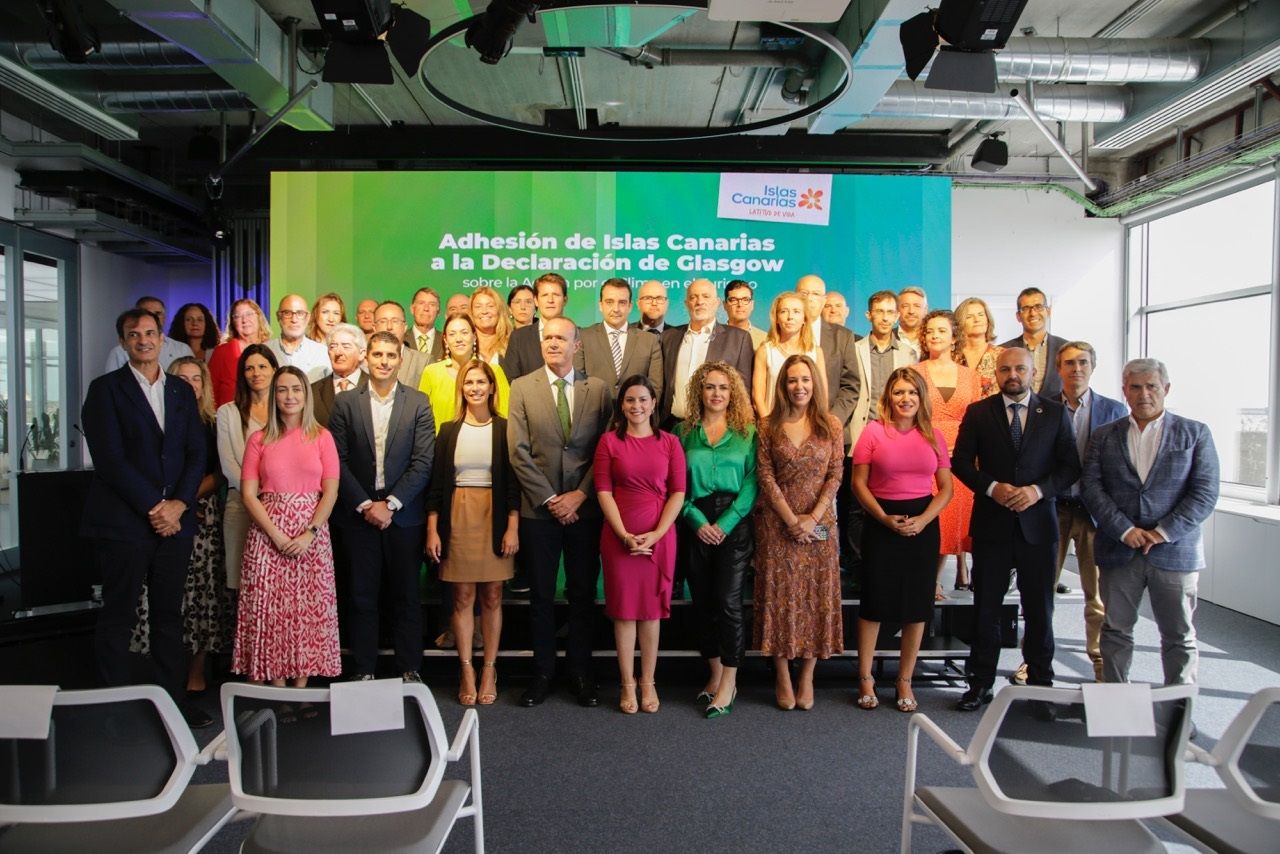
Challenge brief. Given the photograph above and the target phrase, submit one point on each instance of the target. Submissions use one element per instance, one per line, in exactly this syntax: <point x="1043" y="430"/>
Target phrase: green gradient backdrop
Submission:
<point x="375" y="234"/>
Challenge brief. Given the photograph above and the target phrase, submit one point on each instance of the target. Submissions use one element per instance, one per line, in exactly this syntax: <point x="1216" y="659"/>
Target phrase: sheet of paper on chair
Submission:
<point x="27" y="710"/>
<point x="370" y="706"/>
<point x="1118" y="709"/>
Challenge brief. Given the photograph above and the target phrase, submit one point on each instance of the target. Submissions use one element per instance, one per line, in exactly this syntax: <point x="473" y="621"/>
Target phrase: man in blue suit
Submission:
<point x="148" y="447"/>
<point x="1017" y="453"/>
<point x="1150" y="481"/>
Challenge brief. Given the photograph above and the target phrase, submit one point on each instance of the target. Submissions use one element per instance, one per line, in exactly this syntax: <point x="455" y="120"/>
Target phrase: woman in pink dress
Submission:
<point x="640" y="483"/>
<point x="287" y="627"/>
<point x="952" y="387"/>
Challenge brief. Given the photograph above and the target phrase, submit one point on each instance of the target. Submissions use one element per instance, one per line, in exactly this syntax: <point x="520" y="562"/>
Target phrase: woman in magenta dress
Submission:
<point x="287" y="627"/>
<point x="640" y="482"/>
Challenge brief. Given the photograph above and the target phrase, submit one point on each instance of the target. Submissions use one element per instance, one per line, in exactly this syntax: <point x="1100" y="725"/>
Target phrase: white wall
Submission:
<point x="1005" y="240"/>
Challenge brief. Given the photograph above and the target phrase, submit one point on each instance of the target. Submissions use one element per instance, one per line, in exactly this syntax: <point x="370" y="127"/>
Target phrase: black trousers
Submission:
<point x="162" y="563"/>
<point x="389" y="558"/>
<point x="716" y="576"/>
<point x="545" y="541"/>
<point x="849" y="520"/>
<point x="993" y="562"/>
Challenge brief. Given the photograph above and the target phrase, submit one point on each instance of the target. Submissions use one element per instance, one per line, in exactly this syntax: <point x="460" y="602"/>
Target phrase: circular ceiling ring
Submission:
<point x="638" y="134"/>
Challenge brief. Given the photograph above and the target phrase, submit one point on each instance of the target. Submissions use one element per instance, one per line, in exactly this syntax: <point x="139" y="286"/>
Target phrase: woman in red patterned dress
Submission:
<point x="287" y="627"/>
<point x="952" y="387"/>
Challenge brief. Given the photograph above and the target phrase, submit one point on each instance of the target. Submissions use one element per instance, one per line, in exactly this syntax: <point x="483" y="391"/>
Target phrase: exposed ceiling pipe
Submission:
<point x="1061" y="103"/>
<point x="174" y="101"/>
<point x="1208" y="25"/>
<point x="1020" y="101"/>
<point x="650" y="56"/>
<point x="138" y="56"/>
<point x="1058" y="60"/>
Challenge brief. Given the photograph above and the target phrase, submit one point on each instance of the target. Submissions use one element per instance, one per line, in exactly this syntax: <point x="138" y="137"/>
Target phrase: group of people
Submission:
<point x="511" y="440"/>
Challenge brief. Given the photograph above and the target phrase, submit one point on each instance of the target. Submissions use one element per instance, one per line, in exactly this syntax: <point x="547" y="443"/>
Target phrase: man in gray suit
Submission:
<point x="702" y="339"/>
<point x="346" y="354"/>
<point x="557" y="416"/>
<point x="1034" y="313"/>
<point x="389" y="317"/>
<point x="386" y="437"/>
<point x="613" y="352"/>
<point x="1150" y="480"/>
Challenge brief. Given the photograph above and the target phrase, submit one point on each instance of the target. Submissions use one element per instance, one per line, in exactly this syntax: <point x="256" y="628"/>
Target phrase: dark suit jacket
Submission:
<point x="544" y="462"/>
<point x="1179" y="493"/>
<point x="984" y="455"/>
<point x="1052" y="385"/>
<point x="1103" y="410"/>
<point x="323" y="393"/>
<point x="641" y="355"/>
<point x="410" y="448"/>
<point x="506" y="489"/>
<point x="136" y="464"/>
<point x="728" y="344"/>
<point x="437" y="345"/>
<point x="844" y="381"/>
<point x="524" y="352"/>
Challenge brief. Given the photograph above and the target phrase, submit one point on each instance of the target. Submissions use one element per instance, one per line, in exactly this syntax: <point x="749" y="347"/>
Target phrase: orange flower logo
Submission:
<point x="811" y="199"/>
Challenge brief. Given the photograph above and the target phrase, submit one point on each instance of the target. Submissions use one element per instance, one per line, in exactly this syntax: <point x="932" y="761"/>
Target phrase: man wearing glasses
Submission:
<point x="739" y="299"/>
<point x="1033" y="313"/>
<point x="293" y="347"/>
<point x="653" y="308"/>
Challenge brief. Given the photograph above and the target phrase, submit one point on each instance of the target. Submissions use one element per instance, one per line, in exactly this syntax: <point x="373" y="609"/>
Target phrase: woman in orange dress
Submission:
<point x="952" y="387"/>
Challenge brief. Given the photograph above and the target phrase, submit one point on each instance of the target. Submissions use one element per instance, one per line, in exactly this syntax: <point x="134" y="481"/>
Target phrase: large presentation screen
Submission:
<point x="382" y="235"/>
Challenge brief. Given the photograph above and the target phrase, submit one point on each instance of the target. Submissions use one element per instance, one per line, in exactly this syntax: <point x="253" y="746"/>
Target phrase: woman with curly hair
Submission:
<point x="194" y="325"/>
<point x="493" y="328"/>
<point x="715" y="539"/>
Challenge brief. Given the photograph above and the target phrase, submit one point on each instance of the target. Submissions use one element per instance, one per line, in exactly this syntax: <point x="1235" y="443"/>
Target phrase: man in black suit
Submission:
<point x="524" y="349"/>
<point x="346" y="353"/>
<point x="1034" y="313"/>
<point x="1017" y="452"/>
<point x="385" y="436"/>
<point x="148" y="447"/>
<point x="701" y="340"/>
<point x="653" y="301"/>
<point x="423" y="336"/>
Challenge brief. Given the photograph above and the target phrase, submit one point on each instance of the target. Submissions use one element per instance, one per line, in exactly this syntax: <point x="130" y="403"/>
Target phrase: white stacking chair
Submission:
<point x="111" y="774"/>
<point x="1042" y="784"/>
<point x="381" y="791"/>
<point x="1245" y="815"/>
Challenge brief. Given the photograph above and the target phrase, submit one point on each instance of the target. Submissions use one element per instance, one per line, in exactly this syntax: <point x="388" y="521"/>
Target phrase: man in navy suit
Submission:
<point x="148" y="447"/>
<point x="1151" y="480"/>
<point x="385" y="437"/>
<point x="1017" y="453"/>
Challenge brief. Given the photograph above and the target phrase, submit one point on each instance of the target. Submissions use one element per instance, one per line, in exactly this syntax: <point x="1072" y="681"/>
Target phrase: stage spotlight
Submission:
<point x="969" y="32"/>
<point x="991" y="155"/>
<point x="492" y="32"/>
<point x="69" y="33"/>
<point x="359" y="29"/>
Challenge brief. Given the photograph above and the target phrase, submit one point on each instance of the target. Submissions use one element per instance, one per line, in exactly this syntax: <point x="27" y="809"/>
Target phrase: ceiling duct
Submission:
<point x="40" y="91"/>
<point x="1058" y="60"/>
<point x="1060" y="103"/>
<point x="135" y="56"/>
<point x="175" y="101"/>
<point x="653" y="57"/>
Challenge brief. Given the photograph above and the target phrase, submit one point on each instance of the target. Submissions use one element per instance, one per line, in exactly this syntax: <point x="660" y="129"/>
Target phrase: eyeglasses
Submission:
<point x="807" y="294"/>
<point x="1036" y="308"/>
<point x="652" y="299"/>
<point x="739" y="300"/>
<point x="244" y="315"/>
<point x="284" y="313"/>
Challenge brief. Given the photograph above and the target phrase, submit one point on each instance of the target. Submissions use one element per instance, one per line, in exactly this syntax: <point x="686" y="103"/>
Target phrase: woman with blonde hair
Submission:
<point x="977" y="331"/>
<point x="493" y="327"/>
<point x="287" y="628"/>
<point x="473" y="521"/>
<point x="902" y="478"/>
<point x="715" y="539"/>
<point x="246" y="325"/>
<point x="800" y="460"/>
<point x="790" y="334"/>
<point x="329" y="310"/>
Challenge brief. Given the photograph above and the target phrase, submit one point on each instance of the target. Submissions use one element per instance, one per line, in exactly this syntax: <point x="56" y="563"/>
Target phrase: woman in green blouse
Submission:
<point x="719" y="438"/>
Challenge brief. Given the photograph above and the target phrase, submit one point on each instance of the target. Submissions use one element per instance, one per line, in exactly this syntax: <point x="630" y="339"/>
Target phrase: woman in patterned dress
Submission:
<point x="287" y="628"/>
<point x="799" y="463"/>
<point x="977" y="331"/>
<point x="952" y="387"/>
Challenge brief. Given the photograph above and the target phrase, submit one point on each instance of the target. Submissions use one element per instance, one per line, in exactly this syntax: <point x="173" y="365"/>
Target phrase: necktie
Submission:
<point x="616" y="349"/>
<point x="1015" y="426"/>
<point x="424" y="344"/>
<point x="562" y="408"/>
<point x="344" y="384"/>
<point x="654" y="330"/>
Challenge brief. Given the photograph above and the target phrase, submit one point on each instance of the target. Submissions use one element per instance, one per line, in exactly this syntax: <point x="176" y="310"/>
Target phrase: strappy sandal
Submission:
<point x="650" y="706"/>
<point x="467" y="698"/>
<point x="868" y="700"/>
<point x="488" y="698"/>
<point x="628" y="707"/>
<point x="906" y="704"/>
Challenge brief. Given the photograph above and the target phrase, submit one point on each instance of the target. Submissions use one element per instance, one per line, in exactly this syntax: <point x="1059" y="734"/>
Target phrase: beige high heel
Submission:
<point x="628" y="707"/>
<point x="488" y="698"/>
<point x="465" y="697"/>
<point x="649" y="706"/>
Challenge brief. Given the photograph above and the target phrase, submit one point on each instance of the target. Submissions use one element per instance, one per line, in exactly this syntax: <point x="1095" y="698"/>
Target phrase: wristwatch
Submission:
<point x="315" y="530"/>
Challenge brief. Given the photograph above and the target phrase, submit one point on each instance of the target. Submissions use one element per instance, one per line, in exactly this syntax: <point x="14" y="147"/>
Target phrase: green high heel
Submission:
<point x="713" y="711"/>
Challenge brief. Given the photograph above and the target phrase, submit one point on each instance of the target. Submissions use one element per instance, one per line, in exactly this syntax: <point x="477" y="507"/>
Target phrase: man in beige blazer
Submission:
<point x="637" y="352"/>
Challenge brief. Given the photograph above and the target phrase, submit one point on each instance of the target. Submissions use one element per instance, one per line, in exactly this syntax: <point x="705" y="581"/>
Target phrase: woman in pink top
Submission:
<point x="896" y="464"/>
<point x="287" y="628"/>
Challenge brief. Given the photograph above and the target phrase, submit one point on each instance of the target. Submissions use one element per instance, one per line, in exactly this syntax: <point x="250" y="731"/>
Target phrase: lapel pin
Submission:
<point x="1039" y="411"/>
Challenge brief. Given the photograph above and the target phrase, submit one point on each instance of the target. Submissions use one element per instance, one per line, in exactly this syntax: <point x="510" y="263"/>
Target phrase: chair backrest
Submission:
<point x="1032" y="756"/>
<point x="283" y="760"/>
<point x="109" y="753"/>
<point x="1248" y="754"/>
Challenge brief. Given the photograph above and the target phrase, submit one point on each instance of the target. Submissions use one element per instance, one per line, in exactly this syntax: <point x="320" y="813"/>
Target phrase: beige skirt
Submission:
<point x="470" y="556"/>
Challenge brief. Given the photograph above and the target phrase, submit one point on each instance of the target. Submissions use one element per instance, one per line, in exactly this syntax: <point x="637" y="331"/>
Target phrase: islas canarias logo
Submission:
<point x="811" y="199"/>
<point x="799" y="198"/>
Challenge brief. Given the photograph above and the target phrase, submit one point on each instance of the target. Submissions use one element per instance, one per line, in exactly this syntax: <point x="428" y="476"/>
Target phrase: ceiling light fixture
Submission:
<point x="69" y="33"/>
<point x="491" y="32"/>
<point x="361" y="31"/>
<point x="991" y="155"/>
<point x="961" y="38"/>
